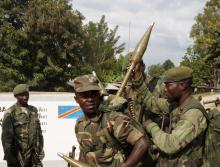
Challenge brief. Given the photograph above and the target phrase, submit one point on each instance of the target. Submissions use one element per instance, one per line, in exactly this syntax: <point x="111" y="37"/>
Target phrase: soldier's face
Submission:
<point x="89" y="101"/>
<point x="23" y="99"/>
<point x="172" y="91"/>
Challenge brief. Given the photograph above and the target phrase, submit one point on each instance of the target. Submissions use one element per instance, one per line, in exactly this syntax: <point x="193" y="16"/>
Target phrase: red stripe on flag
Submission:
<point x="69" y="112"/>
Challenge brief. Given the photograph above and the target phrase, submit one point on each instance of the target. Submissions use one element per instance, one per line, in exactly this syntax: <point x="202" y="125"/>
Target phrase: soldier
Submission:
<point x="181" y="146"/>
<point x="136" y="91"/>
<point x="103" y="133"/>
<point x="22" y="137"/>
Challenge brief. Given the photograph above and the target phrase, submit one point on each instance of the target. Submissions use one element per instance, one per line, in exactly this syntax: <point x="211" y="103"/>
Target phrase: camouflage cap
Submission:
<point x="85" y="83"/>
<point x="21" y="88"/>
<point x="177" y="74"/>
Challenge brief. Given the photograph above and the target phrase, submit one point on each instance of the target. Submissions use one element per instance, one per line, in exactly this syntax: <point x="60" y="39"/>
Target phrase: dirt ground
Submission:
<point x="208" y="97"/>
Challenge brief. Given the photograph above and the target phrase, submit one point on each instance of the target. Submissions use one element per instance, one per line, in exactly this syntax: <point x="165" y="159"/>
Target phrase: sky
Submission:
<point x="171" y="33"/>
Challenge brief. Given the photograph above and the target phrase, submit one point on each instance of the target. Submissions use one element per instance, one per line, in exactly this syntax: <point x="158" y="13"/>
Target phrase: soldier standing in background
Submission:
<point x="22" y="137"/>
<point x="181" y="146"/>
<point x="104" y="133"/>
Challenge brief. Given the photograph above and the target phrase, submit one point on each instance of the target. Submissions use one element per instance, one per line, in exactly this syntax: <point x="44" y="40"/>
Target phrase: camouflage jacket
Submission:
<point x="103" y="138"/>
<point x="22" y="135"/>
<point x="137" y="107"/>
<point x="182" y="145"/>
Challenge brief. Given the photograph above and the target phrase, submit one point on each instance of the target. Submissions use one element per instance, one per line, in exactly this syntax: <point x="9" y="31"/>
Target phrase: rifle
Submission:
<point x="103" y="90"/>
<point x="72" y="154"/>
<point x="216" y="101"/>
<point x="136" y="58"/>
<point x="72" y="162"/>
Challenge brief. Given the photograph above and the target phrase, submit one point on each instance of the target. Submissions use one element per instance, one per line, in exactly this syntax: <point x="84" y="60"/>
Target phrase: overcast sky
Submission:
<point x="173" y="21"/>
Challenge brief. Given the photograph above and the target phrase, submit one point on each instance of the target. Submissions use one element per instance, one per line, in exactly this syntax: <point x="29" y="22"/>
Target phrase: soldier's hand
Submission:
<point x="137" y="71"/>
<point x="116" y="102"/>
<point x="147" y="122"/>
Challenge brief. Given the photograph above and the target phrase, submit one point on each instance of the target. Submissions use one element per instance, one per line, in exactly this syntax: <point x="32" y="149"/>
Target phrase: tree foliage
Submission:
<point x="101" y="49"/>
<point x="12" y="43"/>
<point x="204" y="55"/>
<point x="41" y="43"/>
<point x="44" y="43"/>
<point x="159" y="69"/>
<point x="168" y="64"/>
<point x="56" y="40"/>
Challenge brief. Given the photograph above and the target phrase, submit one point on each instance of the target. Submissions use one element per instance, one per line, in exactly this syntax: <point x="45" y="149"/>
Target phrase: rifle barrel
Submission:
<point x="73" y="162"/>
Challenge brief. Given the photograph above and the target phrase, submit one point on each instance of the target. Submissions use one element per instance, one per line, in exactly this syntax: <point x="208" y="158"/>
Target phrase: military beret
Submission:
<point x="85" y="83"/>
<point x="21" y="88"/>
<point x="177" y="74"/>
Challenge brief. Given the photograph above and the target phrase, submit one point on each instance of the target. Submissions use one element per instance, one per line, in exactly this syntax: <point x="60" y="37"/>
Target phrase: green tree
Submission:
<point x="155" y="70"/>
<point x="201" y="70"/>
<point x="159" y="69"/>
<point x="101" y="49"/>
<point x="56" y="39"/>
<point x="204" y="55"/>
<point x="168" y="64"/>
<point x="45" y="49"/>
<point x="12" y="43"/>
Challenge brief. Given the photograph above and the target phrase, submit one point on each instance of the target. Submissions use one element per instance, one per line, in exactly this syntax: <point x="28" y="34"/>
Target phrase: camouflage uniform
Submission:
<point x="135" y="93"/>
<point x="143" y="110"/>
<point x="182" y="145"/>
<point x="104" y="138"/>
<point x="22" y="136"/>
<point x="104" y="134"/>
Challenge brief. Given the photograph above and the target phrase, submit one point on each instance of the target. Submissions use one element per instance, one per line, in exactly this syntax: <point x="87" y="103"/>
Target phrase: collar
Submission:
<point x="186" y="102"/>
<point x="94" y="119"/>
<point x="19" y="110"/>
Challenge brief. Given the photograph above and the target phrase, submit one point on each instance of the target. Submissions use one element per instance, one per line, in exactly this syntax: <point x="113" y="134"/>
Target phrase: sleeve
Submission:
<point x="191" y="124"/>
<point x="41" y="141"/>
<point x="155" y="104"/>
<point x="150" y="102"/>
<point x="125" y="130"/>
<point x="82" y="146"/>
<point x="78" y="137"/>
<point x="8" y="139"/>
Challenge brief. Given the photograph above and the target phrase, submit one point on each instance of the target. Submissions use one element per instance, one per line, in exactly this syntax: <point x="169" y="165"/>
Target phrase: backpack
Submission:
<point x="211" y="149"/>
<point x="211" y="142"/>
